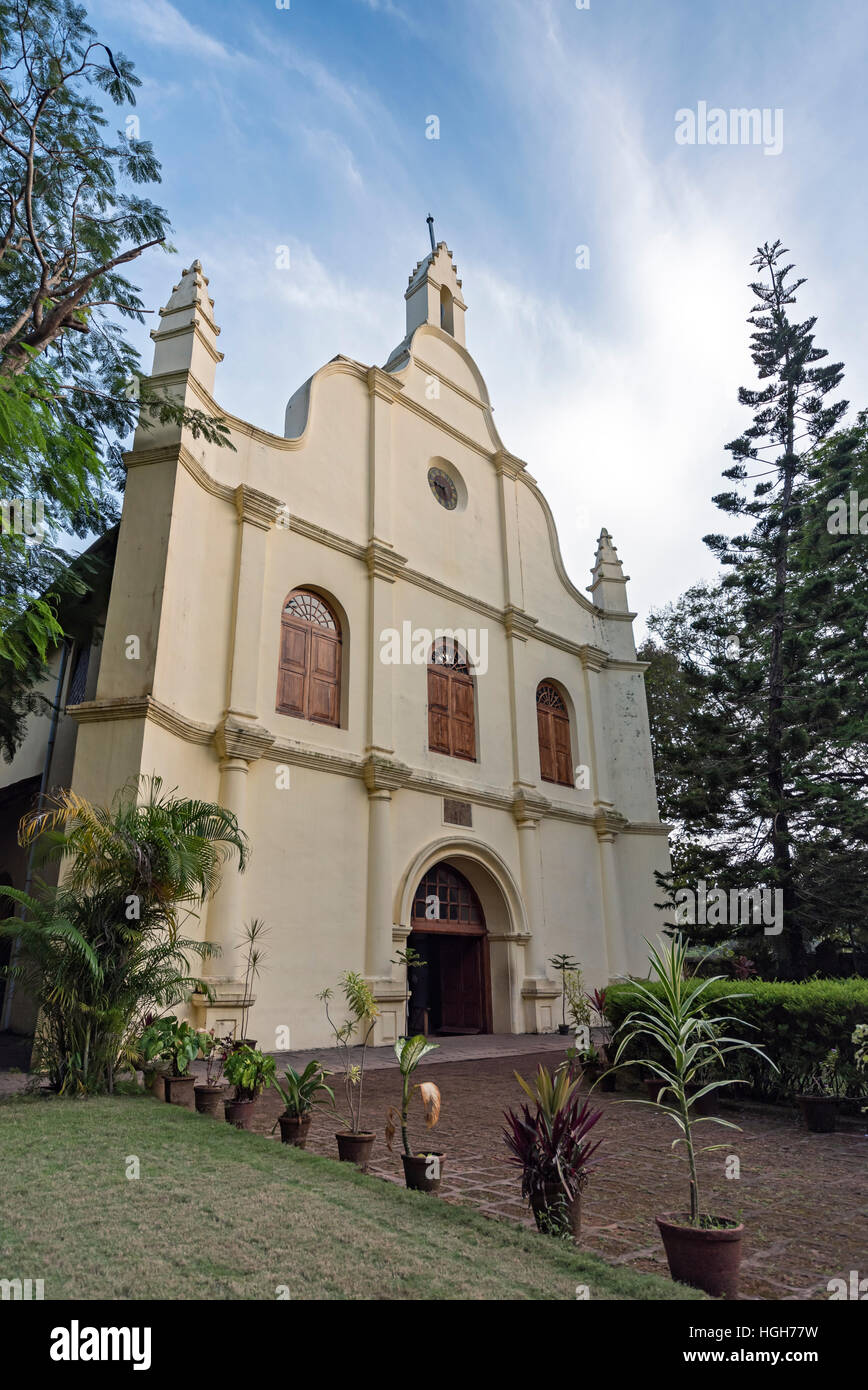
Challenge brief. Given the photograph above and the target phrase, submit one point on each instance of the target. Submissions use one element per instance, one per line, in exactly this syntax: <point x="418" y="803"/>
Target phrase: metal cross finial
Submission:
<point x="430" y="220"/>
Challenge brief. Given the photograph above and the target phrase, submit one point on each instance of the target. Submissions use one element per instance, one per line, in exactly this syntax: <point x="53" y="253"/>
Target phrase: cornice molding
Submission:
<point x="384" y="774"/>
<point x="518" y="623"/>
<point x="507" y="465"/>
<point x="383" y="385"/>
<point x="258" y="508"/>
<point x="383" y="562"/>
<point x="592" y="658"/>
<point x="529" y="807"/>
<point x="234" y="739"/>
<point x="159" y="335"/>
<point x="141" y="707"/>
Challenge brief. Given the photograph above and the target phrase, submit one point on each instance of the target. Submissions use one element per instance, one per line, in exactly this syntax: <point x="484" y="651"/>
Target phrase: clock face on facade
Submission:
<point x="443" y="488"/>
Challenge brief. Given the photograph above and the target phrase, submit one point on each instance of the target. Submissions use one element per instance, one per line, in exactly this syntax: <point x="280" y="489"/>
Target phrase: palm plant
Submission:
<point x="409" y="1053"/>
<point x="104" y="949"/>
<point x="685" y="1041"/>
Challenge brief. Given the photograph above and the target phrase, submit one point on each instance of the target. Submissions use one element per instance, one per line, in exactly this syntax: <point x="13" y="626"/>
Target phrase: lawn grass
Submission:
<point x="221" y="1214"/>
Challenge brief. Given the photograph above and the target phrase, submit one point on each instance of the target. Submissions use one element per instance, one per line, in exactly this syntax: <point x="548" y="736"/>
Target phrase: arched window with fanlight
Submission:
<point x="451" y="714"/>
<point x="553" y="726"/>
<point x="309" y="678"/>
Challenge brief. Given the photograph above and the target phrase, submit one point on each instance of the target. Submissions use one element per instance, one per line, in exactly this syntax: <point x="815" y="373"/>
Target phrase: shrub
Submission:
<point x="796" y="1023"/>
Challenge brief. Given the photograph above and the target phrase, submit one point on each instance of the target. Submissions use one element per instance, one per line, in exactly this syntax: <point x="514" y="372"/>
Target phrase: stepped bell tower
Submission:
<point x="434" y="294"/>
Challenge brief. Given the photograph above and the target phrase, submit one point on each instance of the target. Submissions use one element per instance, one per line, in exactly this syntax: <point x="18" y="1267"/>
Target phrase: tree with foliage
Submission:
<point x="73" y="215"/>
<point x="106" y="948"/>
<point x="758" y="684"/>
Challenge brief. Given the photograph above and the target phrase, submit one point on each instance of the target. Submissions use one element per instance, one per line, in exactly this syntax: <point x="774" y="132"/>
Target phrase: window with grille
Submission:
<point x="78" y="680"/>
<point x="451" y="708"/>
<point x="309" y="676"/>
<point x="444" y="895"/>
<point x="553" y="727"/>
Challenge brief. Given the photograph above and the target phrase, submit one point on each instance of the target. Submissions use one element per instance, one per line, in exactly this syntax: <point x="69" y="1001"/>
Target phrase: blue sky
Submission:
<point x="306" y="127"/>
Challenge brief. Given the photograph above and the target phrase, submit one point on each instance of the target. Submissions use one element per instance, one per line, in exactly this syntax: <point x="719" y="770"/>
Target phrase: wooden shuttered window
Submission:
<point x="451" y="712"/>
<point x="553" y="728"/>
<point x="309" y="676"/>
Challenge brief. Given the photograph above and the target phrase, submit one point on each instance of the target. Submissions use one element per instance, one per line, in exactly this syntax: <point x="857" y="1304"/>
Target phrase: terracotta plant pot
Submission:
<point x="820" y="1113"/>
<point x="179" y="1091"/>
<point x="240" y="1113"/>
<point x="597" y="1076"/>
<point x="355" y="1148"/>
<point x="706" y="1259"/>
<point x="209" y="1100"/>
<point x="154" y="1080"/>
<point x="554" y="1213"/>
<point x="417" y="1168"/>
<point x="294" y="1129"/>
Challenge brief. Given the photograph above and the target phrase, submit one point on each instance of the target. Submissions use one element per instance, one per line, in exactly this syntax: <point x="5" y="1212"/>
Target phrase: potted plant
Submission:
<point x="550" y="1144"/>
<point x="703" y="1250"/>
<point x="154" y="1069"/>
<point x="597" y="1002"/>
<point x="254" y="955"/>
<point x="299" y="1095"/>
<point x="422" y="1170"/>
<point x="563" y="963"/>
<point x="354" y="1143"/>
<point x="249" y="1072"/>
<point x="209" y="1093"/>
<point x="410" y="959"/>
<point x="820" y="1093"/>
<point x="178" y="1044"/>
<point x="595" y="1067"/>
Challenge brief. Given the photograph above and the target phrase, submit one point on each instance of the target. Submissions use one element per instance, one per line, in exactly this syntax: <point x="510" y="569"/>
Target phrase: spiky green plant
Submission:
<point x="685" y="1039"/>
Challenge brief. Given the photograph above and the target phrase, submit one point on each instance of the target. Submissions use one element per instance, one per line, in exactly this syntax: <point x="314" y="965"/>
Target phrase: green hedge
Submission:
<point x="795" y="1024"/>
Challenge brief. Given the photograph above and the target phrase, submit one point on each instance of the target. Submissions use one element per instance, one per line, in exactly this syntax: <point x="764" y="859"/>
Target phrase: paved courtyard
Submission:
<point x="803" y="1197"/>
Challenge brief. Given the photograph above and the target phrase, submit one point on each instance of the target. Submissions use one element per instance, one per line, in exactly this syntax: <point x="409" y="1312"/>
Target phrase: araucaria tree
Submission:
<point x="759" y="692"/>
<point x="73" y="216"/>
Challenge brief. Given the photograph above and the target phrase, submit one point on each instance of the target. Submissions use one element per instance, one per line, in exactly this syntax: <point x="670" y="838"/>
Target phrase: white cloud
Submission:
<point x="158" y="22"/>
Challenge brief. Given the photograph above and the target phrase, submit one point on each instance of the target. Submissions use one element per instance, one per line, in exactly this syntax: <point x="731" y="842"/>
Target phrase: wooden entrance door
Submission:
<point x="448" y="932"/>
<point x="461" y="1009"/>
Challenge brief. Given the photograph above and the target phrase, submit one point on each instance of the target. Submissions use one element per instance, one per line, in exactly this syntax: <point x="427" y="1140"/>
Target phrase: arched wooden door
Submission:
<point x="451" y="993"/>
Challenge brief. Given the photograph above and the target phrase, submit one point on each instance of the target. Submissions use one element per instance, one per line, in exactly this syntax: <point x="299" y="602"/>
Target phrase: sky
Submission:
<point x="306" y="125"/>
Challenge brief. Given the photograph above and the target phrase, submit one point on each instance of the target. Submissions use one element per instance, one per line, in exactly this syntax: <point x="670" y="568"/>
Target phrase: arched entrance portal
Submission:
<point x="451" y="992"/>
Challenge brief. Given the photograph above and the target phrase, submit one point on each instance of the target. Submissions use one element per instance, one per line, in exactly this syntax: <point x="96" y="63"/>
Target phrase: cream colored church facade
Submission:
<point x="274" y="641"/>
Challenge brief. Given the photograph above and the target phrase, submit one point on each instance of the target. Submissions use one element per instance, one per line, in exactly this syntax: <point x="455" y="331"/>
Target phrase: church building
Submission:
<point x="360" y="637"/>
